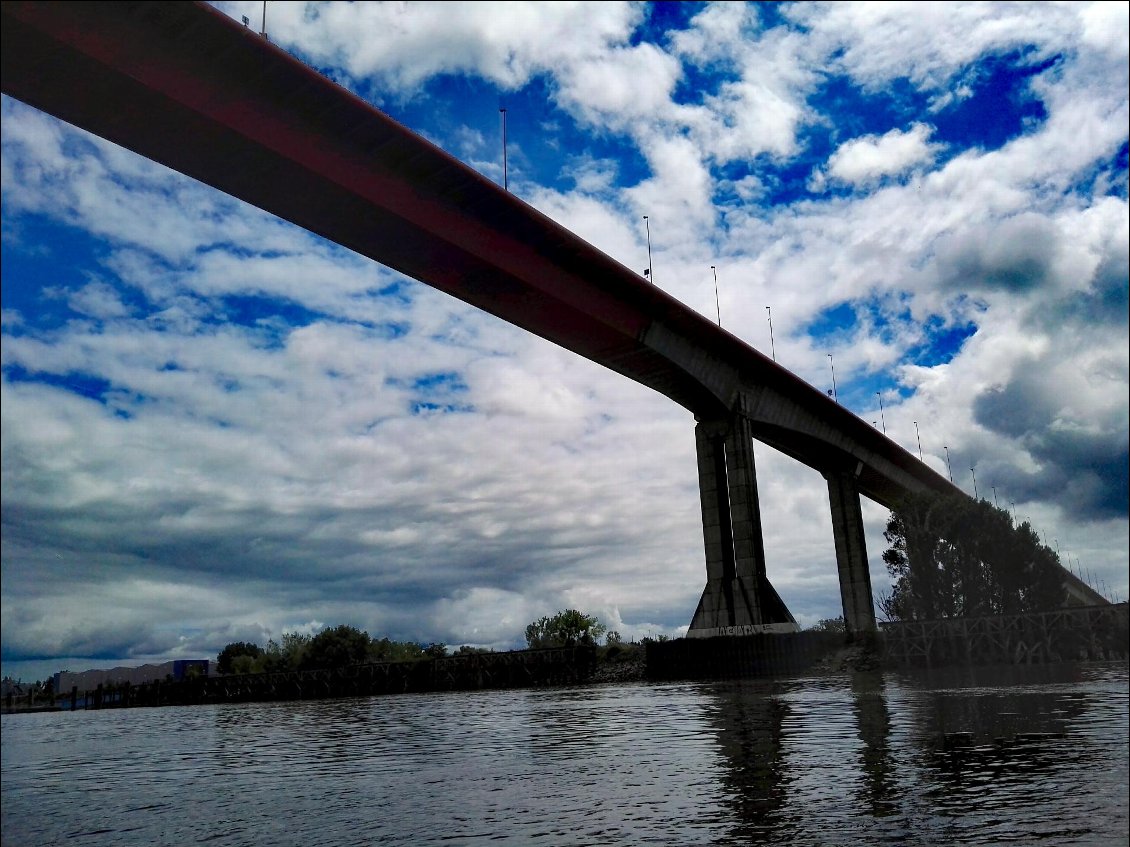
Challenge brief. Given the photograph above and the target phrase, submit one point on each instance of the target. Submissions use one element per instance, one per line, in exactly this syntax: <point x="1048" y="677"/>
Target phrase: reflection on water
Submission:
<point x="749" y="722"/>
<point x="869" y="708"/>
<point x="984" y="756"/>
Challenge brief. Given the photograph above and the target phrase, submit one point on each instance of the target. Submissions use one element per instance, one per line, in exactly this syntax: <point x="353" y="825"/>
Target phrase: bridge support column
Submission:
<point x="738" y="598"/>
<point x="851" y="551"/>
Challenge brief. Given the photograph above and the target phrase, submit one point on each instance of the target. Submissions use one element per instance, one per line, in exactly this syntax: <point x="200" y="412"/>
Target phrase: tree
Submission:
<point x="567" y="628"/>
<point x="284" y="655"/>
<point x="435" y="651"/>
<point x="955" y="557"/>
<point x="468" y="650"/>
<point x="225" y="661"/>
<point x="384" y="650"/>
<point x="337" y="648"/>
<point x="246" y="664"/>
<point x="829" y="625"/>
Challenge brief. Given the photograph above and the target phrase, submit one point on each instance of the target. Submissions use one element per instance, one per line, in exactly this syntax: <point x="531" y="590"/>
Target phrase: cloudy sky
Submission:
<point x="218" y="427"/>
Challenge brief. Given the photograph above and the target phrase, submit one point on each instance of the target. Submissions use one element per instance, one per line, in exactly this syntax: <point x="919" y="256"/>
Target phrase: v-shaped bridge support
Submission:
<point x="738" y="598"/>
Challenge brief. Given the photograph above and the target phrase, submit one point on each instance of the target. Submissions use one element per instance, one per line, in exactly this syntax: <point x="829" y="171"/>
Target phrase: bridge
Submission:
<point x="184" y="85"/>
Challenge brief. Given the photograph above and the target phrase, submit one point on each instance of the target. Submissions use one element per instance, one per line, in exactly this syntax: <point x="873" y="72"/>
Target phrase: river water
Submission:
<point x="804" y="761"/>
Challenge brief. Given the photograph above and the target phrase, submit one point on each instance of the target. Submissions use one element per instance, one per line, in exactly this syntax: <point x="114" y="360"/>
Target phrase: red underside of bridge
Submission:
<point x="184" y="85"/>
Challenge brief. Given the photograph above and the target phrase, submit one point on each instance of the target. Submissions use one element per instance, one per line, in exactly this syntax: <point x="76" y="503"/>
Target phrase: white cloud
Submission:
<point x="867" y="159"/>
<point x="404" y="45"/>
<point x="98" y="300"/>
<point x="624" y="89"/>
<point x="932" y="44"/>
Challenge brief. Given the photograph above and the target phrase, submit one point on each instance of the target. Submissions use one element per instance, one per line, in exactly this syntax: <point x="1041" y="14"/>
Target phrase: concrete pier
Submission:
<point x="738" y="599"/>
<point x="851" y="551"/>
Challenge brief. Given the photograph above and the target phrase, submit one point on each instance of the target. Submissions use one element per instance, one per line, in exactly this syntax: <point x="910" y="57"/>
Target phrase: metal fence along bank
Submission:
<point x="1076" y="633"/>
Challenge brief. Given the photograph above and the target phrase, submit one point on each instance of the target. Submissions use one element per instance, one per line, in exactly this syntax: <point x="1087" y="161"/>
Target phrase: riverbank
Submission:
<point x="1081" y="633"/>
<point x="17" y="709"/>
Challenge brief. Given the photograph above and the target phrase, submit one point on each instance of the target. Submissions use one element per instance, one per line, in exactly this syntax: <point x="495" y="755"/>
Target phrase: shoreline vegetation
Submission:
<point x="1079" y="634"/>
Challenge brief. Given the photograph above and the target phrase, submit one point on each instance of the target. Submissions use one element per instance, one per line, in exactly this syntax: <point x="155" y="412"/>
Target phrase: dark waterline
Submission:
<point x="1037" y="755"/>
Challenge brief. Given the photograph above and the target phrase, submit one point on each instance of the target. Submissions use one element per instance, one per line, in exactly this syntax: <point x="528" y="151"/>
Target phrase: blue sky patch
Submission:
<point x="1001" y="108"/>
<point x="398" y="291"/>
<point x="698" y="82"/>
<point x="434" y="393"/>
<point x="255" y="310"/>
<point x="424" y="408"/>
<point x="42" y="255"/>
<point x="439" y="383"/>
<point x="661" y="18"/>
<point x="942" y="343"/>
<point x="833" y="325"/>
<point x="862" y="395"/>
<point x="860" y="112"/>
<point x="87" y="385"/>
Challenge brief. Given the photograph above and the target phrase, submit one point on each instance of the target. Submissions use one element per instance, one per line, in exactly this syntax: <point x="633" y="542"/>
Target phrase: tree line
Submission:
<point x="345" y="645"/>
<point x="950" y="556"/>
<point x="333" y="647"/>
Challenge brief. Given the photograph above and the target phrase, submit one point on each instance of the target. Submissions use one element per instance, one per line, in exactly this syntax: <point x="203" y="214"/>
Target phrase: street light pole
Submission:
<point x="949" y="467"/>
<point x="649" y="273"/>
<point x="835" y="393"/>
<point x="918" y="435"/>
<point x="772" y="344"/>
<point x="505" y="176"/>
<point x="717" y="307"/>
<point x="882" y="416"/>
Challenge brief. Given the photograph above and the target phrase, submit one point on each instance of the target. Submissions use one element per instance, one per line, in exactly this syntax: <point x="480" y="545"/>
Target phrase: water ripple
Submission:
<point x="823" y="761"/>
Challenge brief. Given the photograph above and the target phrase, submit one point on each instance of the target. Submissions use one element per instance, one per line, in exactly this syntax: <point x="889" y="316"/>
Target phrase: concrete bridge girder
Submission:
<point x="813" y="440"/>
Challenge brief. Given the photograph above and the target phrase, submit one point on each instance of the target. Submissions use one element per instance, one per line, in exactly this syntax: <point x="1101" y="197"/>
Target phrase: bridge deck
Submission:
<point x="184" y="85"/>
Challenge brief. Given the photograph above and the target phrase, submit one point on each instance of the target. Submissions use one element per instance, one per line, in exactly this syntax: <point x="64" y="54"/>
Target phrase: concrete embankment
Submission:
<point x="730" y="656"/>
<point x="1080" y="633"/>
